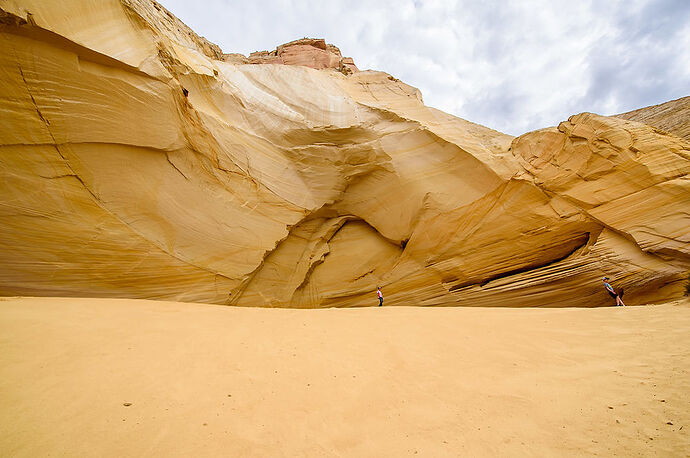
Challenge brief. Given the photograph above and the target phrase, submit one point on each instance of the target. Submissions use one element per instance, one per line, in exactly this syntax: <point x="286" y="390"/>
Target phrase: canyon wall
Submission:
<point x="672" y="117"/>
<point x="138" y="160"/>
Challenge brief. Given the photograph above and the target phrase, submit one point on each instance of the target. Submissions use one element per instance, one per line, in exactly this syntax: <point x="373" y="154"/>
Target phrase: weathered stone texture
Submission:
<point x="138" y="160"/>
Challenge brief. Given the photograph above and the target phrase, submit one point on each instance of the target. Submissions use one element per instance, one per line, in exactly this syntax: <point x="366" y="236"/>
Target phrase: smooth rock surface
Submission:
<point x="137" y="160"/>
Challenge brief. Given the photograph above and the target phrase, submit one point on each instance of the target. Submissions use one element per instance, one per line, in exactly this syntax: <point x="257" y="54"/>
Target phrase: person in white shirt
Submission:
<point x="379" y="294"/>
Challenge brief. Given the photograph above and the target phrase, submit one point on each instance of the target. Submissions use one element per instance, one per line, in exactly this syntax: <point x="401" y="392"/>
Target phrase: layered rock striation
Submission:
<point x="137" y="160"/>
<point x="672" y="117"/>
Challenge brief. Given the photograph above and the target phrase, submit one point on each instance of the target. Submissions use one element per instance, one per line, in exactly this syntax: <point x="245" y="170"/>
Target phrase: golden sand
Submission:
<point x="112" y="378"/>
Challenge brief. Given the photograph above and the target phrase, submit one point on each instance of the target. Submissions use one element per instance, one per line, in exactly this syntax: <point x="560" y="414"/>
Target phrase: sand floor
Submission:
<point x="393" y="381"/>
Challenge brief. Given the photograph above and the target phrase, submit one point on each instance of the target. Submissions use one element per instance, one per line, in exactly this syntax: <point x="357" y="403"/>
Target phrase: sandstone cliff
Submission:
<point x="140" y="161"/>
<point x="672" y="117"/>
<point x="307" y="52"/>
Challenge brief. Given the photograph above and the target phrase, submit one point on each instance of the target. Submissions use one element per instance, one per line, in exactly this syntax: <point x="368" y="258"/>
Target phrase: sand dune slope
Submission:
<point x="220" y="381"/>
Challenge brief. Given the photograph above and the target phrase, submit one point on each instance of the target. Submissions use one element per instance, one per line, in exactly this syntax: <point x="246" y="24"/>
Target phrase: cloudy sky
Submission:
<point x="514" y="66"/>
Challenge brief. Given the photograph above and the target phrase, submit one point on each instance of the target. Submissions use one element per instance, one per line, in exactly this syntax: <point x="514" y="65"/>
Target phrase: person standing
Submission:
<point x="379" y="294"/>
<point x="612" y="292"/>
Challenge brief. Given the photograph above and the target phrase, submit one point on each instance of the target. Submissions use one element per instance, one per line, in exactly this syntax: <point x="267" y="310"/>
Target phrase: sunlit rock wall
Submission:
<point x="138" y="160"/>
<point x="672" y="117"/>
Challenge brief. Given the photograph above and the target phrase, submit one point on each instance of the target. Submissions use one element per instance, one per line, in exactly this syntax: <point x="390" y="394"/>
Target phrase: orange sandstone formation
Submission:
<point x="140" y="161"/>
<point x="307" y="52"/>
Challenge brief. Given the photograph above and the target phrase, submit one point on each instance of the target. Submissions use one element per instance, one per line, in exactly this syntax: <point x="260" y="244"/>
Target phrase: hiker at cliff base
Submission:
<point x="612" y="292"/>
<point x="379" y="294"/>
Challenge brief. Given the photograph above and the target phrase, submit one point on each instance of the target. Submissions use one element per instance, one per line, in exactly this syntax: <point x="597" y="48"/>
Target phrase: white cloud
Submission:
<point x="512" y="66"/>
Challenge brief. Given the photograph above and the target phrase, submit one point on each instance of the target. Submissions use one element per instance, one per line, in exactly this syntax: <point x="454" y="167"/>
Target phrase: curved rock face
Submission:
<point x="140" y="161"/>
